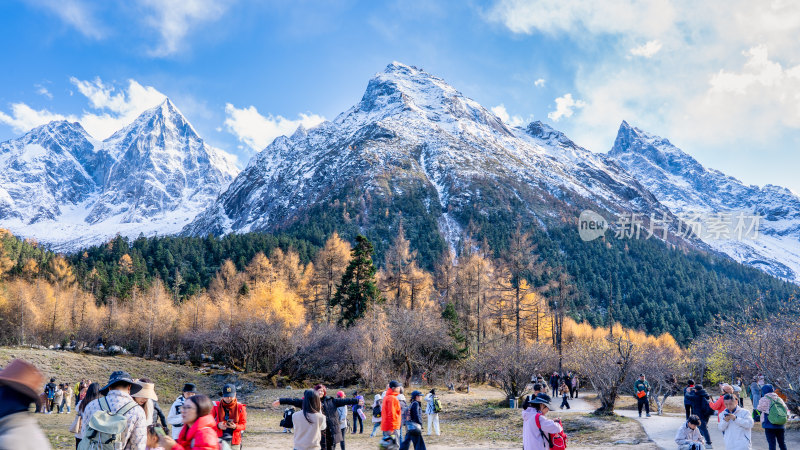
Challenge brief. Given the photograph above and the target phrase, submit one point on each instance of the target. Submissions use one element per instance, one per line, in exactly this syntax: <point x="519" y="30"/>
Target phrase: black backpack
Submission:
<point x="287" y="421"/>
<point x="707" y="411"/>
<point x="376" y="411"/>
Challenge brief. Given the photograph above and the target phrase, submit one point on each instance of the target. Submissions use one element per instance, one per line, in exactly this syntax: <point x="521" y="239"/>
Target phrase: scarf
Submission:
<point x="231" y="408"/>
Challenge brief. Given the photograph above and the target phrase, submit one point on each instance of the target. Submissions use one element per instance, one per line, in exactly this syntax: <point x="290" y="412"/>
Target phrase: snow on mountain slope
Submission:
<point x="684" y="185"/>
<point x="162" y="165"/>
<point x="41" y="172"/>
<point x="414" y="135"/>
<point x="63" y="188"/>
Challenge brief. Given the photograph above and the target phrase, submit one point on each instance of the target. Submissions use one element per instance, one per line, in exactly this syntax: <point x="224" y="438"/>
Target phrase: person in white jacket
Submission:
<point x="430" y="411"/>
<point x="174" y="417"/>
<point x="535" y="437"/>
<point x="688" y="436"/>
<point x="736" y="424"/>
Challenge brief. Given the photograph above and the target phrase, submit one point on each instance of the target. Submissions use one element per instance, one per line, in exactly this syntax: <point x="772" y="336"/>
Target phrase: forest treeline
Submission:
<point x="643" y="284"/>
<point x="333" y="315"/>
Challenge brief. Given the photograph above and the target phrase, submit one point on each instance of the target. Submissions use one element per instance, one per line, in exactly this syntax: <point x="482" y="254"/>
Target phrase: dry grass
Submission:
<point x="471" y="420"/>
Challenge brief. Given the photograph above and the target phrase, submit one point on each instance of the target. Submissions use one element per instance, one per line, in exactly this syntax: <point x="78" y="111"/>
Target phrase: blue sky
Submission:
<point x="720" y="80"/>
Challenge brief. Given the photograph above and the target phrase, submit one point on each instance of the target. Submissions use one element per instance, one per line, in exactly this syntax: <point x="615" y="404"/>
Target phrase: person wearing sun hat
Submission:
<point x="118" y="393"/>
<point x="20" y="384"/>
<point x="146" y="397"/>
<point x="533" y="434"/>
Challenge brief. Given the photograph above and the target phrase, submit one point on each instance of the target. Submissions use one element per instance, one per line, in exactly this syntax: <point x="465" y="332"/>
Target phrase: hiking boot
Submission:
<point x="648" y="414"/>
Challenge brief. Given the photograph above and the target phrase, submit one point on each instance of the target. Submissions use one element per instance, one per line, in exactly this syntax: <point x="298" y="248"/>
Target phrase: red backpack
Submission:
<point x="557" y="441"/>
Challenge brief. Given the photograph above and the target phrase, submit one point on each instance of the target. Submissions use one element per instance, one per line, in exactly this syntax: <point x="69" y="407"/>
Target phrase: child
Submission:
<point x="287" y="413"/>
<point x="564" y="391"/>
<point x="376" y="414"/>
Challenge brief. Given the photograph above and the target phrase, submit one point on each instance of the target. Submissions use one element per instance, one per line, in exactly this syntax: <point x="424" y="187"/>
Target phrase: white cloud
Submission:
<point x="702" y="93"/>
<point x="112" y="108"/>
<point x="539" y="82"/>
<point x="76" y="13"/>
<point x="23" y="117"/>
<point x="552" y="17"/>
<point x="41" y="90"/>
<point x="174" y="19"/>
<point x="647" y="50"/>
<point x="514" y="121"/>
<point x="116" y="107"/>
<point x="257" y="131"/>
<point x="565" y="107"/>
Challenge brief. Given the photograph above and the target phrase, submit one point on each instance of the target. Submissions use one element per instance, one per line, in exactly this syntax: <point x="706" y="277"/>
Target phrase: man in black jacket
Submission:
<point x="333" y="434"/>
<point x="698" y="399"/>
<point x="554" y="383"/>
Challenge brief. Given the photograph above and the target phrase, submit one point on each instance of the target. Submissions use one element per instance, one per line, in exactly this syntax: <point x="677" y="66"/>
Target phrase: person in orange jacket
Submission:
<point x="719" y="405"/>
<point x="230" y="416"/>
<point x="390" y="411"/>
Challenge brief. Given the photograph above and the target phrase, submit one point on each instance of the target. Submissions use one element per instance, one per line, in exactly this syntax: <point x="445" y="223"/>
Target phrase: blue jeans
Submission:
<point x="775" y="438"/>
<point x="375" y="426"/>
<point x="357" y="421"/>
<point x="413" y="435"/>
<point x="703" y="427"/>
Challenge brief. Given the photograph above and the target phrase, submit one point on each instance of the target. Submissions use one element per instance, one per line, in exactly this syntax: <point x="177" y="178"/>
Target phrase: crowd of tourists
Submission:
<point x="732" y="418"/>
<point x="124" y="413"/>
<point x="321" y="420"/>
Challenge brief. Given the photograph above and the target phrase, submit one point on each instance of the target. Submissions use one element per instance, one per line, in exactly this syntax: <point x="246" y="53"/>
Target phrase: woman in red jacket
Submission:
<point x="199" y="428"/>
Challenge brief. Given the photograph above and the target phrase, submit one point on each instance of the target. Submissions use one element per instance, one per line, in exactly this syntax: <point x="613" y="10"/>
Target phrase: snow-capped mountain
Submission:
<point x="686" y="187"/>
<point x="416" y="146"/>
<point x="46" y="170"/>
<point x="65" y="189"/>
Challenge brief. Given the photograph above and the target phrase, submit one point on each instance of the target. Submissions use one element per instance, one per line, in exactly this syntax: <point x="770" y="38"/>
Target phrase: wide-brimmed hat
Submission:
<point x="24" y="378"/>
<point x="541" y="399"/>
<point x="118" y="377"/>
<point x="148" y="391"/>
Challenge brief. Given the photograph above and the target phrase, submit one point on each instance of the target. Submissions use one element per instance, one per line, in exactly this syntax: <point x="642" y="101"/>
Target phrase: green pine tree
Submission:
<point x="450" y="316"/>
<point x="358" y="290"/>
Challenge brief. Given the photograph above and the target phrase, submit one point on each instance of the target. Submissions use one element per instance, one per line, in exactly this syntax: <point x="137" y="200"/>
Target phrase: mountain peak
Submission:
<point x="545" y="132"/>
<point x="632" y="139"/>
<point x="398" y="67"/>
<point x="163" y="117"/>
<point x="406" y="86"/>
<point x="57" y="126"/>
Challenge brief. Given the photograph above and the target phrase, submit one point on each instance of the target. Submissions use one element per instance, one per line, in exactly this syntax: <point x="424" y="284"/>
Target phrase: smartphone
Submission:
<point x="160" y="431"/>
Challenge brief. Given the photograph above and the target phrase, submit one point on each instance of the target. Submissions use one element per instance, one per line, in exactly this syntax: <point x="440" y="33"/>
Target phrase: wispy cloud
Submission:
<point x="702" y="92"/>
<point x="115" y="107"/>
<point x="539" y="82"/>
<point x="23" y="117"/>
<point x="78" y="14"/>
<point x="111" y="108"/>
<point x="647" y="50"/>
<point x="501" y="112"/>
<point x="173" y="20"/>
<point x="41" y="90"/>
<point x="559" y="16"/>
<point x="257" y="131"/>
<point x="565" y="107"/>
